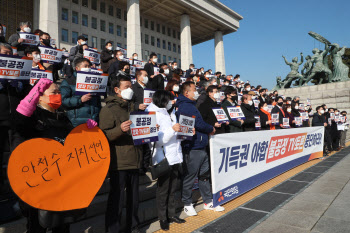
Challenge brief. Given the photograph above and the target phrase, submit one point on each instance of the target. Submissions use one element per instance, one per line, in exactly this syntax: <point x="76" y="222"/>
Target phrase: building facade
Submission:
<point x="168" y="28"/>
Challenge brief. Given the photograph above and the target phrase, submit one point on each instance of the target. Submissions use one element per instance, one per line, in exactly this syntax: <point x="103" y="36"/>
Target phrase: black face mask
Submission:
<point x="46" y="42"/>
<point x="234" y="98"/>
<point x="280" y="104"/>
<point x="127" y="71"/>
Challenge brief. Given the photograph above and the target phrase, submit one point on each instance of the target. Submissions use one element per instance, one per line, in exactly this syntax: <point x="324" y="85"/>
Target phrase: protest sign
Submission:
<point x="301" y="107"/>
<point x="243" y="161"/>
<point x="29" y="38"/>
<point x="50" y="176"/>
<point x="286" y="123"/>
<point x="133" y="80"/>
<point x="156" y="70"/>
<point x="183" y="79"/>
<point x="132" y="71"/>
<point x="235" y="113"/>
<point x="220" y="115"/>
<point x="37" y="74"/>
<point x="93" y="56"/>
<point x="143" y="127"/>
<point x="336" y="118"/>
<point x="342" y="119"/>
<point x="257" y="122"/>
<point x="298" y="121"/>
<point x="304" y="116"/>
<point x="269" y="108"/>
<point x="256" y="103"/>
<point x="308" y="102"/>
<point x="96" y="71"/>
<point x="50" y="55"/>
<point x="14" y="51"/>
<point x="240" y="99"/>
<point x="331" y="115"/>
<point x="122" y="49"/>
<point x="275" y="119"/>
<point x="138" y="64"/>
<point x="88" y="82"/>
<point x="15" y="67"/>
<point x="187" y="124"/>
<point x="147" y="96"/>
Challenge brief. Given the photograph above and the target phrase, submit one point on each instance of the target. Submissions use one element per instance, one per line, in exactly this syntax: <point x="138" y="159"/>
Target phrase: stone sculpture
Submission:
<point x="294" y="73"/>
<point x="341" y="71"/>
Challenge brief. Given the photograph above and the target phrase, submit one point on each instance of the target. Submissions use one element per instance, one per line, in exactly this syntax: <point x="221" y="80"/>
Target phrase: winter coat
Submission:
<point x="77" y="111"/>
<point x="13" y="41"/>
<point x="278" y="110"/>
<point x="234" y="126"/>
<point x="249" y="113"/>
<point x="106" y="56"/>
<point x="124" y="154"/>
<point x="206" y="110"/>
<point x="167" y="144"/>
<point x="138" y="95"/>
<point x="318" y="120"/>
<point x="200" y="139"/>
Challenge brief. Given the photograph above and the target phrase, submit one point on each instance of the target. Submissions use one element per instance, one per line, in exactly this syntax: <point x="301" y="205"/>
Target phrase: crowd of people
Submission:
<point x="55" y="109"/>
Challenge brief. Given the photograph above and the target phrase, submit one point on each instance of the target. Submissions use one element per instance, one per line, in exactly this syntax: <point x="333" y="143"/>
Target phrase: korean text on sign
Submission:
<point x="93" y="83"/>
<point x="29" y="38"/>
<point x="235" y="113"/>
<point x="15" y="68"/>
<point x="220" y="115"/>
<point x="50" y="55"/>
<point x="143" y="127"/>
<point x="147" y="96"/>
<point x="37" y="74"/>
<point x="93" y="56"/>
<point x="186" y="127"/>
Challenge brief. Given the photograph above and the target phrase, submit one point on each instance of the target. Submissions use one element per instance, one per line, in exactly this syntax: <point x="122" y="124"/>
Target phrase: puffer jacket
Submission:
<point x="77" y="111"/>
<point x="167" y="142"/>
<point x="124" y="154"/>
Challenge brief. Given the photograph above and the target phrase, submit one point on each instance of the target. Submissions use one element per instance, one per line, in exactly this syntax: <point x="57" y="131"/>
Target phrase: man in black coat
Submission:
<point x="138" y="88"/>
<point x="319" y="119"/>
<point x="281" y="114"/>
<point x="158" y="80"/>
<point x="74" y="50"/>
<point x="248" y="110"/>
<point x="262" y="95"/>
<point x="114" y="67"/>
<point x="149" y="67"/>
<point x="106" y="56"/>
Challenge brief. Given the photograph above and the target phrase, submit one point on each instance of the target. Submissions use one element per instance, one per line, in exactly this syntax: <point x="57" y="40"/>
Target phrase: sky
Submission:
<point x="272" y="28"/>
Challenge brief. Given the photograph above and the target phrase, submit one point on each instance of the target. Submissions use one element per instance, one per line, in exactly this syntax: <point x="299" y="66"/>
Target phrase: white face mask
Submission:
<point x="85" y="69"/>
<point x="217" y="95"/>
<point x="127" y="94"/>
<point x="176" y="88"/>
<point x="27" y="29"/>
<point x="169" y="105"/>
<point x="289" y="110"/>
<point x="296" y="107"/>
<point x="110" y="48"/>
<point x="238" y="86"/>
<point x="121" y="57"/>
<point x="265" y="108"/>
<point x="322" y="111"/>
<point x="145" y="80"/>
<point x="136" y="58"/>
<point x="326" y="110"/>
<point x="83" y="42"/>
<point x="166" y="71"/>
<point x="155" y="60"/>
<point x="175" y="67"/>
<point x="250" y="102"/>
<point x="248" y="88"/>
<point x="196" y="95"/>
<point x="226" y="84"/>
<point x="36" y="58"/>
<point x="215" y="83"/>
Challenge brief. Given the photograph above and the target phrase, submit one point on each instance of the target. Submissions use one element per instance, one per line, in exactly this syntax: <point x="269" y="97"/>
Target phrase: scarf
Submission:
<point x="272" y="127"/>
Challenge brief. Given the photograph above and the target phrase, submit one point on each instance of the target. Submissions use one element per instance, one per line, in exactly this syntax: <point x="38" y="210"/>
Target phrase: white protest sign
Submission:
<point x="274" y="119"/>
<point x="220" y="115"/>
<point x="37" y="74"/>
<point x="147" y="96"/>
<point x="121" y="49"/>
<point x="96" y="71"/>
<point x="139" y="64"/>
<point x="88" y="82"/>
<point x="269" y="108"/>
<point x="298" y="121"/>
<point x="302" y="107"/>
<point x="256" y="103"/>
<point x="29" y="38"/>
<point x="143" y="127"/>
<point x="257" y="122"/>
<point x="156" y="70"/>
<point x="14" y="51"/>
<point x="186" y="127"/>
<point x="235" y="113"/>
<point x="15" y="67"/>
<point x="50" y="55"/>
<point x="132" y="71"/>
<point x="93" y="56"/>
<point x="286" y="122"/>
<point x="304" y="116"/>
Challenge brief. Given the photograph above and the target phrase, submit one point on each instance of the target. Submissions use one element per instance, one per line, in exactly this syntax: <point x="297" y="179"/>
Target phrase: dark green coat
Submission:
<point x="234" y="126"/>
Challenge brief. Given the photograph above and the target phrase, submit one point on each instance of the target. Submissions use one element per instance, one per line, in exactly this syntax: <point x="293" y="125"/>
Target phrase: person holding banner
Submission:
<point x="16" y="41"/>
<point x="320" y="120"/>
<point x="150" y="67"/>
<point x="138" y="88"/>
<point x="106" y="56"/>
<point x="79" y="108"/>
<point x="231" y="99"/>
<point x="114" y="67"/>
<point x="265" y="117"/>
<point x="169" y="147"/>
<point x="79" y="53"/>
<point x="287" y="108"/>
<point x="279" y="110"/>
<point x="248" y="110"/>
<point x="196" y="160"/>
<point x="74" y="50"/>
<point x="126" y="158"/>
<point x="34" y="52"/>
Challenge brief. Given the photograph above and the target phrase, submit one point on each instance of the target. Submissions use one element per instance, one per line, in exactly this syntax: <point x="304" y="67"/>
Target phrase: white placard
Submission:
<point x="37" y="74"/>
<point x="29" y="38"/>
<point x="147" y="96"/>
<point x="88" y="82"/>
<point x="143" y="127"/>
<point x="15" y="67"/>
<point x="220" y="115"/>
<point x="186" y="127"/>
<point x="235" y="113"/>
<point x="50" y="55"/>
<point x="93" y="56"/>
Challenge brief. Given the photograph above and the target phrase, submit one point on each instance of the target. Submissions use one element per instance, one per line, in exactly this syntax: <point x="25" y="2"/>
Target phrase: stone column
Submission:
<point x="133" y="28"/>
<point x="186" y="42"/>
<point x="36" y="13"/>
<point x="219" y="53"/>
<point x="48" y="19"/>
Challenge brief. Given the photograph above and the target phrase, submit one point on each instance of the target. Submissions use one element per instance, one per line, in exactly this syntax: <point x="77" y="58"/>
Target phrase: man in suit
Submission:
<point x="262" y="95"/>
<point x="158" y="80"/>
<point x="138" y="88"/>
<point x="149" y="67"/>
<point x="281" y="114"/>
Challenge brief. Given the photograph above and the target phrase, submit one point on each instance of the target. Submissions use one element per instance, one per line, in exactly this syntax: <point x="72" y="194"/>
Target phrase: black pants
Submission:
<point x="166" y="189"/>
<point x="120" y="181"/>
<point x="328" y="139"/>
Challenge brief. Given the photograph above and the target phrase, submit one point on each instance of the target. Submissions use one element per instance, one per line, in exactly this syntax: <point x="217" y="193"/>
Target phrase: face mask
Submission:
<point x="110" y="48"/>
<point x="250" y="102"/>
<point x="55" y="101"/>
<point x="226" y="84"/>
<point x="196" y="95"/>
<point x="136" y="58"/>
<point x="234" y="98"/>
<point x="248" y="89"/>
<point x="155" y="60"/>
<point x="121" y="57"/>
<point x="265" y="108"/>
<point x="127" y="71"/>
<point x="215" y="83"/>
<point x="27" y="29"/>
<point x="36" y="58"/>
<point x="322" y="111"/>
<point x="145" y="80"/>
<point x="217" y="95"/>
<point x="296" y="107"/>
<point x="289" y="110"/>
<point x="83" y="42"/>
<point x="166" y="71"/>
<point x="239" y="86"/>
<point x="85" y="69"/>
<point x="127" y="94"/>
<point x="280" y="104"/>
<point x="169" y="105"/>
<point x="176" y="88"/>
<point x="175" y="67"/>
<point x="46" y="42"/>
<point x="326" y="110"/>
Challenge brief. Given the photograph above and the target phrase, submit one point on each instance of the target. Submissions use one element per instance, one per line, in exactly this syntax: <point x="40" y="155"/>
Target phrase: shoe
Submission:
<point x="210" y="206"/>
<point x="177" y="220"/>
<point x="164" y="224"/>
<point x="338" y="149"/>
<point x="190" y="211"/>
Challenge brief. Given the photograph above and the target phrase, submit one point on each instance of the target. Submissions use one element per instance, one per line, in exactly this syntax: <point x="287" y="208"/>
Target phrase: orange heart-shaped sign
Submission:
<point x="49" y="176"/>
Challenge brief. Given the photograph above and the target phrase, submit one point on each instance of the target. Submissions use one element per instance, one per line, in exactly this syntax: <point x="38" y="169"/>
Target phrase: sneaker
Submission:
<point x="189" y="210"/>
<point x="210" y="206"/>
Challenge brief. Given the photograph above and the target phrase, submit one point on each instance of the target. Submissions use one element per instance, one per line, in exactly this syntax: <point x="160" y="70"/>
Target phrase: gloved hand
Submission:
<point x="91" y="124"/>
<point x="28" y="104"/>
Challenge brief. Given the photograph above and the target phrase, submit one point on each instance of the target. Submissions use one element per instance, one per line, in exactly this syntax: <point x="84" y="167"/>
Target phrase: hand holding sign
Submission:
<point x="125" y="126"/>
<point x="49" y="176"/>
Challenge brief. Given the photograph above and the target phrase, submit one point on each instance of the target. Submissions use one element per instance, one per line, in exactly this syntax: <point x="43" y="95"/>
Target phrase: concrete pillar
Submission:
<point x="133" y="28"/>
<point x="186" y="42"/>
<point x="219" y="53"/>
<point x="36" y="14"/>
<point x="48" y="19"/>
